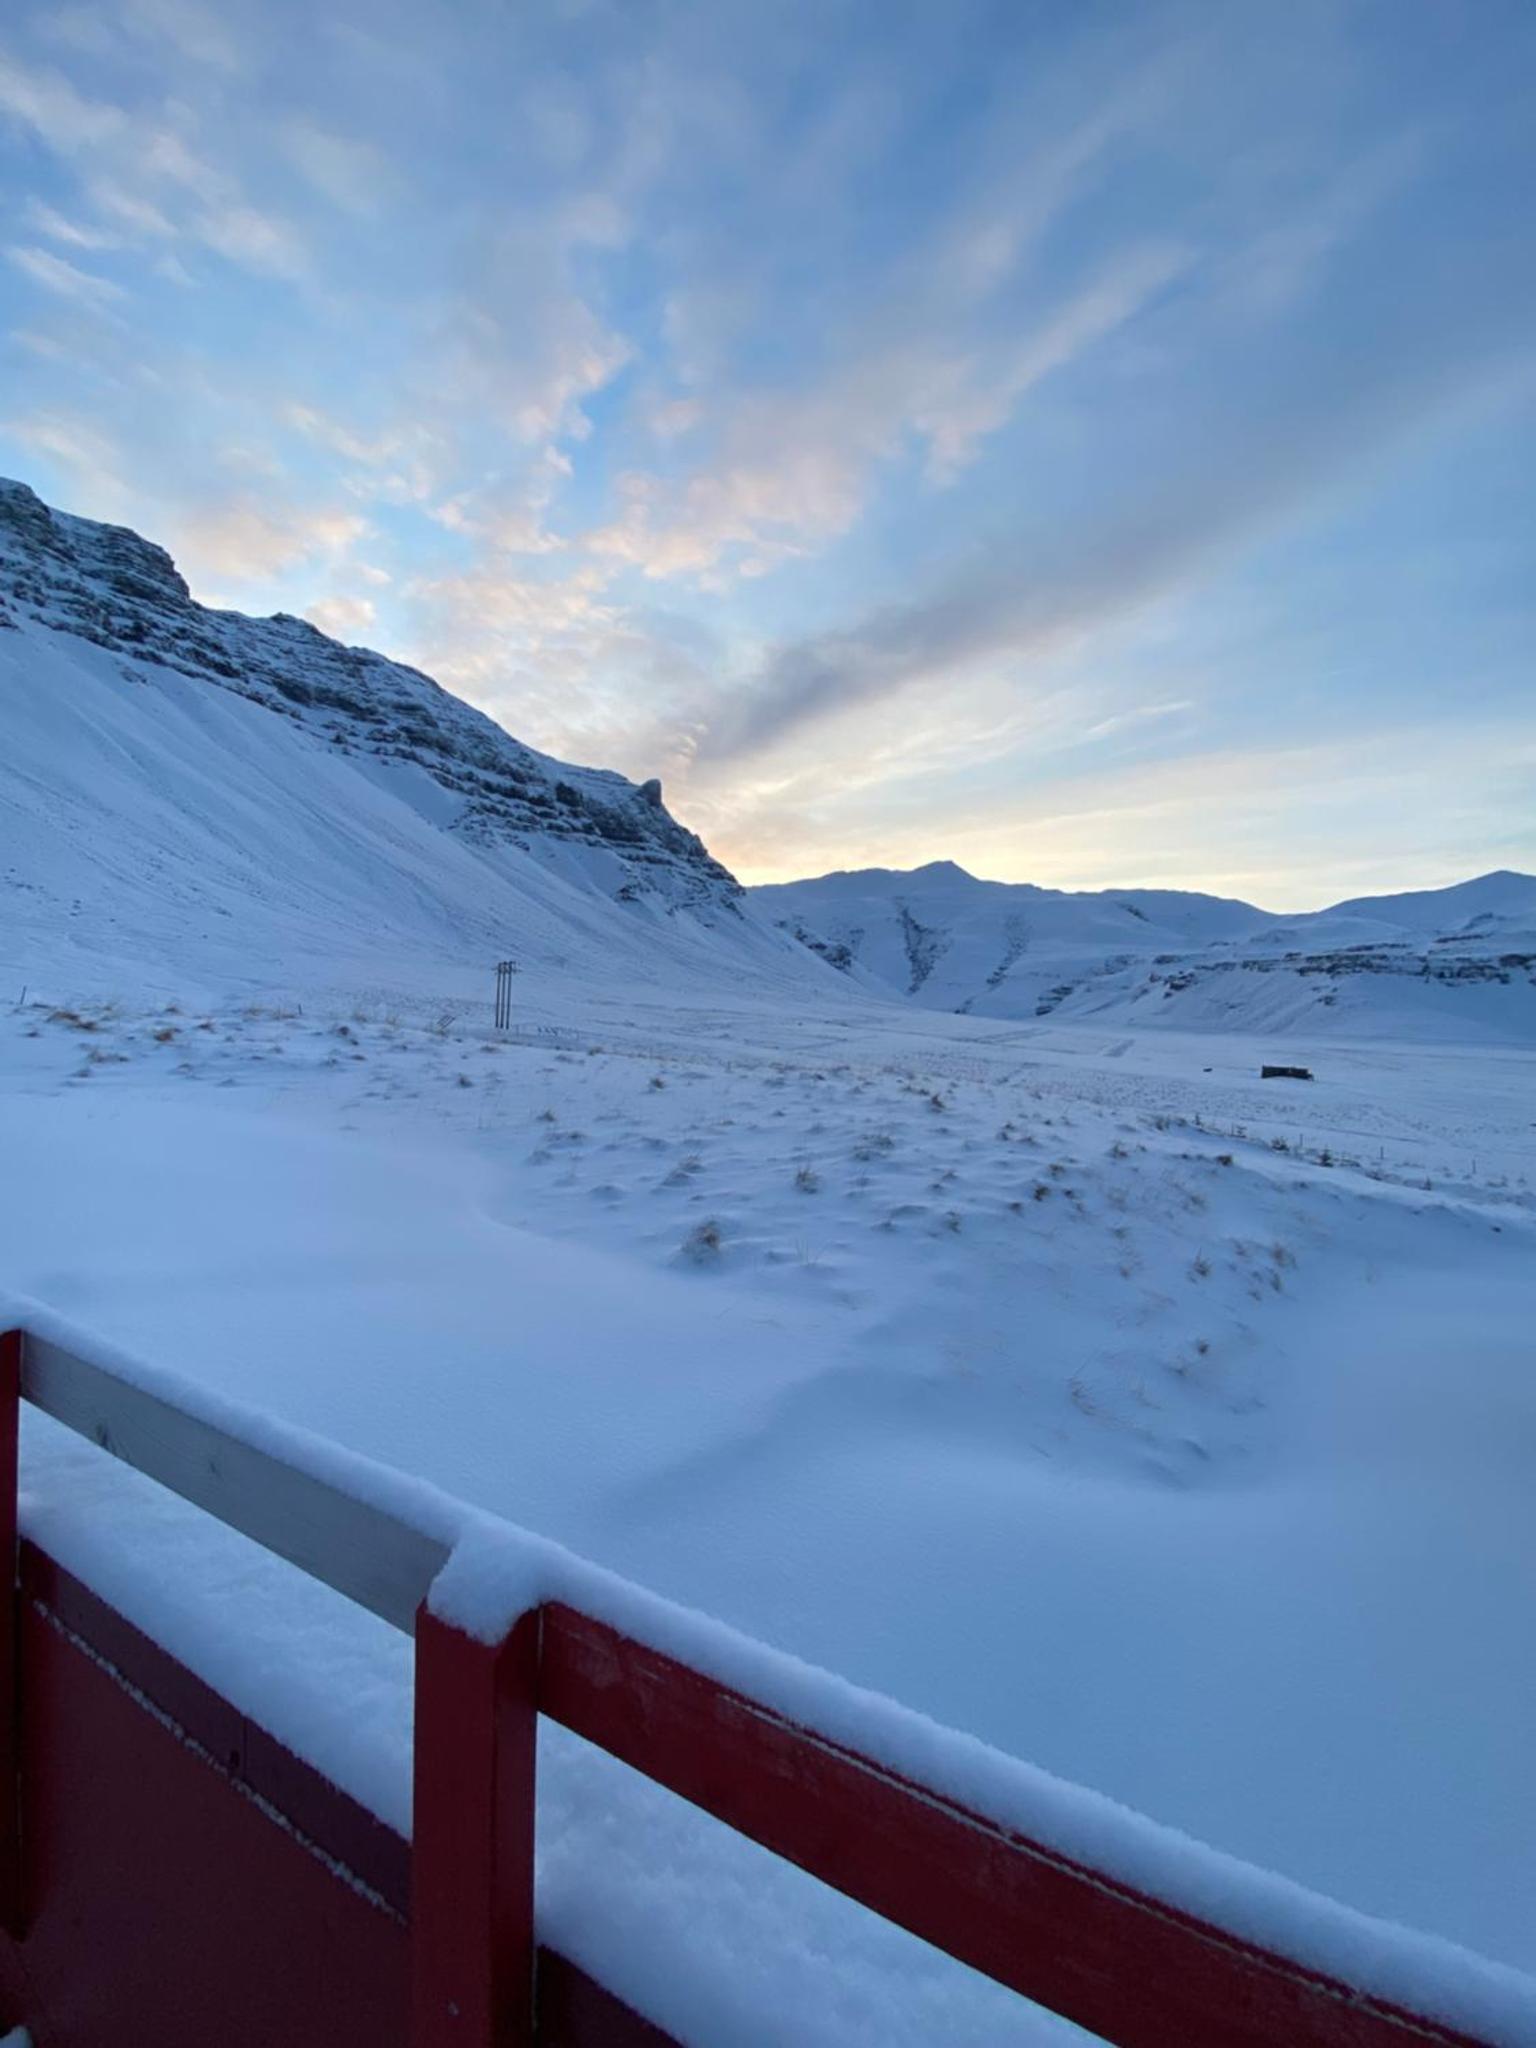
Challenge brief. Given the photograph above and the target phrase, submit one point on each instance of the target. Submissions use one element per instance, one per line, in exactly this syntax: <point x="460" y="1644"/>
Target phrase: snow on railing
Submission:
<point x="1129" y="1928"/>
<point x="373" y="1557"/>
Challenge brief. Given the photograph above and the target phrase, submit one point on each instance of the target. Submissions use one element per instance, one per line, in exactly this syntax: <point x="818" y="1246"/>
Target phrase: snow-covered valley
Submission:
<point x="1165" y="1426"/>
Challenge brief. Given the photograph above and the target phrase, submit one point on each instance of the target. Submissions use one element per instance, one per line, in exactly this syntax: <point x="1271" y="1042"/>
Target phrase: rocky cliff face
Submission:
<point x="107" y="585"/>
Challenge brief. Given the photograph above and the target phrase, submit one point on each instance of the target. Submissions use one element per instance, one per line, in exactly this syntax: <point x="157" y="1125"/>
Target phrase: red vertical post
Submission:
<point x="472" y="1940"/>
<point x="10" y="1674"/>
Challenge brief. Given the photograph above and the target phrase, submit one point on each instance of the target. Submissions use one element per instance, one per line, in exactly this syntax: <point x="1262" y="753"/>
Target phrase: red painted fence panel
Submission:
<point x="164" y="1901"/>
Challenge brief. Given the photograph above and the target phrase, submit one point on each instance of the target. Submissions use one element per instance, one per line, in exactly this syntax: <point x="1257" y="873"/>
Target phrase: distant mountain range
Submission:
<point x="1457" y="961"/>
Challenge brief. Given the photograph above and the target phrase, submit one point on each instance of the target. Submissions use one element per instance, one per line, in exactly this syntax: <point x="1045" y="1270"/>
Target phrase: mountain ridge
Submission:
<point x="1355" y="905"/>
<point x="950" y="940"/>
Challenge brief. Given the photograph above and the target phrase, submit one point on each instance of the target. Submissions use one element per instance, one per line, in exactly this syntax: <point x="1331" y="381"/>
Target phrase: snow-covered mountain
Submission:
<point x="188" y="790"/>
<point x="1459" y="961"/>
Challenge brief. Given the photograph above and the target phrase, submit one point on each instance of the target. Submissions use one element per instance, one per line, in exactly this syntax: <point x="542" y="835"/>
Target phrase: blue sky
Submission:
<point x="1091" y="442"/>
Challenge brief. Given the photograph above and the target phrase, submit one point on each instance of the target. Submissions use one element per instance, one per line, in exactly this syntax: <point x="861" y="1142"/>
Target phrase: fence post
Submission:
<point x="10" y="1618"/>
<point x="472" y="1941"/>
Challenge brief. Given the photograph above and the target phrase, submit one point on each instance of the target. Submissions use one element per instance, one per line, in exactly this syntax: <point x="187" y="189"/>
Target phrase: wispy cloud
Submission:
<point x="1136" y="715"/>
<point x="344" y="618"/>
<point x="139" y="166"/>
<point x="226" y="543"/>
<point x="521" y="347"/>
<point x="796" y="469"/>
<point x="55" y="274"/>
<point x="46" y="220"/>
<point x="204" y="34"/>
<point x="1238" y="465"/>
<point x="47" y="103"/>
<point x="80" y="451"/>
<point x="353" y="175"/>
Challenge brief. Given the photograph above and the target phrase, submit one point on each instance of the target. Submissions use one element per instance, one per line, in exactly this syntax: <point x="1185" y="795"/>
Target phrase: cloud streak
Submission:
<point x="1233" y="471"/>
<point x="55" y="274"/>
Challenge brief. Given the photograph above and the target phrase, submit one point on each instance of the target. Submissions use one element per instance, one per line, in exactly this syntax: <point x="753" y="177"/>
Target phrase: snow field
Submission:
<point x="965" y="1363"/>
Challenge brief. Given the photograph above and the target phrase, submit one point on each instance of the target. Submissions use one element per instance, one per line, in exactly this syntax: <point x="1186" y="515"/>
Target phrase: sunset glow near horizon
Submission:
<point x="1092" y="444"/>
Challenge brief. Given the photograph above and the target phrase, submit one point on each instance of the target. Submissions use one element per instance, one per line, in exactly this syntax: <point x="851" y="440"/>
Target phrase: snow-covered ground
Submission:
<point x="1163" y="1426"/>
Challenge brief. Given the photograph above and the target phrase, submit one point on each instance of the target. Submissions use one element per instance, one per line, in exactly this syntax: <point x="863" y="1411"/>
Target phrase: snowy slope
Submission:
<point x="199" y="798"/>
<point x="1454" y="963"/>
<point x="1496" y="897"/>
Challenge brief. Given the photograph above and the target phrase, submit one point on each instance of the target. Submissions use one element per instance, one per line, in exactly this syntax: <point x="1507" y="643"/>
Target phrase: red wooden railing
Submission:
<point x="170" y="1872"/>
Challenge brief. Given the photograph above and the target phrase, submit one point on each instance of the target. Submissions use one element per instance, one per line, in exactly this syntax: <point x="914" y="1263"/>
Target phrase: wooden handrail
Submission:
<point x="376" y="1559"/>
<point x="1132" y="1969"/>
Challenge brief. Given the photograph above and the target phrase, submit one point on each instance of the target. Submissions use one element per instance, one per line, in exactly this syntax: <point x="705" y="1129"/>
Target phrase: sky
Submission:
<point x="1092" y="442"/>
